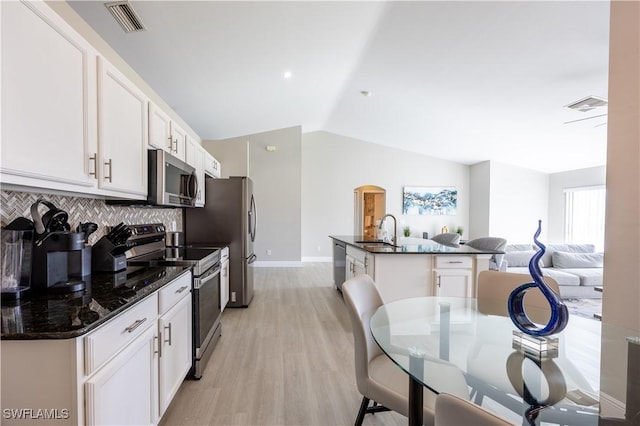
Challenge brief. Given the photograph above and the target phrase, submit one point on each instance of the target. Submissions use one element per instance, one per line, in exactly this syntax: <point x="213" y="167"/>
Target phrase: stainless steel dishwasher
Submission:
<point x="339" y="263"/>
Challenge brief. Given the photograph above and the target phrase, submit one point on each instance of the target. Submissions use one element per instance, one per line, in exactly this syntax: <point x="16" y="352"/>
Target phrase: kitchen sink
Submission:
<point x="376" y="244"/>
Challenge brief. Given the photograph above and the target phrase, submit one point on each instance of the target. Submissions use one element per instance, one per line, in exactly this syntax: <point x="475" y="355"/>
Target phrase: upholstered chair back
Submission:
<point x="362" y="299"/>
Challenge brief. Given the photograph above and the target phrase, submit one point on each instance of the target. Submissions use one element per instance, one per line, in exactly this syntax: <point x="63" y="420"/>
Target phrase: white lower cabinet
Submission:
<point x="175" y="354"/>
<point x="453" y="276"/>
<point x="125" y="372"/>
<point x="122" y="392"/>
<point x="399" y="276"/>
<point x="358" y="263"/>
<point x="453" y="283"/>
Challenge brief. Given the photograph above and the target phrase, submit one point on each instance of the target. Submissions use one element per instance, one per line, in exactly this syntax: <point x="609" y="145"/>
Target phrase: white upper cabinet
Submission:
<point x="166" y="134"/>
<point x="71" y="121"/>
<point x="159" y="128"/>
<point x="179" y="140"/>
<point x="122" y="132"/>
<point x="211" y="165"/>
<point x="48" y="100"/>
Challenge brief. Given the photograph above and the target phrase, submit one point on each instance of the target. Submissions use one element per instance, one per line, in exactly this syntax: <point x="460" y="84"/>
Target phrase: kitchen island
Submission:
<point x="415" y="267"/>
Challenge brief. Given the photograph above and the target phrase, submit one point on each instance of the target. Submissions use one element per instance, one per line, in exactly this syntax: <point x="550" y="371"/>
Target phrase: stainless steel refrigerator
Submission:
<point x="229" y="217"/>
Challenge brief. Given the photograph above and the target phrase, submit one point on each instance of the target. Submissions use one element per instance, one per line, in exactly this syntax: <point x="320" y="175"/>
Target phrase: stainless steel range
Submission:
<point x="205" y="263"/>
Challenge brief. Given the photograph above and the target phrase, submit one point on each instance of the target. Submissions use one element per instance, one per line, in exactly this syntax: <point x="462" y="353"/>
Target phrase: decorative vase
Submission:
<point x="559" y="312"/>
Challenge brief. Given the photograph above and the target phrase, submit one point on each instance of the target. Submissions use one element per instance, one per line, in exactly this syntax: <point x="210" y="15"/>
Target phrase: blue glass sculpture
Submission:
<point x="559" y="312"/>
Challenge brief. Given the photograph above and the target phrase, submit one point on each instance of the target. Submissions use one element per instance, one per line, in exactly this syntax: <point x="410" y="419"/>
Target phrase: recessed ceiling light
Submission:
<point x="365" y="93"/>
<point x="287" y="75"/>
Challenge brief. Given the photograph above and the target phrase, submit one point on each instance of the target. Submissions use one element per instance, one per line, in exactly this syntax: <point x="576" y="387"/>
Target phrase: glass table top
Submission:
<point x="442" y="342"/>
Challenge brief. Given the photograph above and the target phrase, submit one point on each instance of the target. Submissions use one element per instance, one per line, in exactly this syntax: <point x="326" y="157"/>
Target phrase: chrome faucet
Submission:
<point x="395" y="227"/>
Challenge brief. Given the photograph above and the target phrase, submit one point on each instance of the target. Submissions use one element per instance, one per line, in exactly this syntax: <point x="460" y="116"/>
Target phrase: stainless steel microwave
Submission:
<point x="172" y="182"/>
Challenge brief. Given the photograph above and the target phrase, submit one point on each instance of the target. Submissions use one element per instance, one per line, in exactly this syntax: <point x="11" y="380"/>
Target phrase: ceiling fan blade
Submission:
<point x="586" y="118"/>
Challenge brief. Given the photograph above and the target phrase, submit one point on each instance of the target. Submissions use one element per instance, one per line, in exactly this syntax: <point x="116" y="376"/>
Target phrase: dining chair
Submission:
<point x="455" y="411"/>
<point x="377" y="377"/>
<point x="494" y="288"/>
<point x="448" y="238"/>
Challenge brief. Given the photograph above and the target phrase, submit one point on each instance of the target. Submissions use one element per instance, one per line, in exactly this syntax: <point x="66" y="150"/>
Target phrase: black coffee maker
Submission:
<point x="61" y="261"/>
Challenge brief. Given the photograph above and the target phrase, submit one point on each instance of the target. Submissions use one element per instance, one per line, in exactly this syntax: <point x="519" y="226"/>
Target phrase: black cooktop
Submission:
<point x="200" y="259"/>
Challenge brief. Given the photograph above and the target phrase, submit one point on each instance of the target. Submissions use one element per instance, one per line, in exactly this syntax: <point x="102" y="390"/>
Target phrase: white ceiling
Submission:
<point x="463" y="81"/>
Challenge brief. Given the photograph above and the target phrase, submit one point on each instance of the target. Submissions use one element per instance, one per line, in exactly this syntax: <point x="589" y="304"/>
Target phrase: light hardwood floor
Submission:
<point x="285" y="360"/>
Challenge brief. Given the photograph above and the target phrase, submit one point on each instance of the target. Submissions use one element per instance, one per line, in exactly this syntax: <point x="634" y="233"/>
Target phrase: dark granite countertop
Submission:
<point x="72" y="315"/>
<point x="408" y="246"/>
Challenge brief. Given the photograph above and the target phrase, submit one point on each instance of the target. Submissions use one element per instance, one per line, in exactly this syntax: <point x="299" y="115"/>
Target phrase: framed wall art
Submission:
<point x="429" y="200"/>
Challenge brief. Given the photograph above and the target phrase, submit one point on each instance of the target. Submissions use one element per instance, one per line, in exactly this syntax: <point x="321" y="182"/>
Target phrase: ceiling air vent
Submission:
<point x="126" y="16"/>
<point x="588" y="103"/>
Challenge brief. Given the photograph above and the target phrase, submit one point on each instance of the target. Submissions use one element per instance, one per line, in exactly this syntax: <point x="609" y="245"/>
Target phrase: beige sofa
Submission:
<point x="576" y="267"/>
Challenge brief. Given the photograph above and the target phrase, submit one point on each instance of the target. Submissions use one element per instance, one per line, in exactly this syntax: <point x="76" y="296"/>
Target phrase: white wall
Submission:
<point x="479" y="200"/>
<point x="558" y="182"/>
<point x="233" y="155"/>
<point x="276" y="186"/>
<point x="334" y="165"/>
<point x="621" y="297"/>
<point x="519" y="198"/>
<point x="507" y="202"/>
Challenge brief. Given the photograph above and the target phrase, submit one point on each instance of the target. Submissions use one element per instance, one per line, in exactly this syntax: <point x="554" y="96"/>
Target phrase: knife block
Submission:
<point x="103" y="258"/>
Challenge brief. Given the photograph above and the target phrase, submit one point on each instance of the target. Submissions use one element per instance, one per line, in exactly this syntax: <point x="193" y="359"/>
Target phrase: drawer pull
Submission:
<point x="455" y="261"/>
<point x="135" y="325"/>
<point x="181" y="289"/>
<point x="168" y="327"/>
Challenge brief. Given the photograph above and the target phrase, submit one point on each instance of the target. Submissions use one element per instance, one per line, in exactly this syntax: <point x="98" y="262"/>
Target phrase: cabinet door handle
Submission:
<point x="94" y="158"/>
<point x="439" y="276"/>
<point x="168" y="327"/>
<point x="110" y="164"/>
<point x="135" y="325"/>
<point x="175" y="144"/>
<point x="170" y="143"/>
<point x="181" y="289"/>
<point x="156" y="341"/>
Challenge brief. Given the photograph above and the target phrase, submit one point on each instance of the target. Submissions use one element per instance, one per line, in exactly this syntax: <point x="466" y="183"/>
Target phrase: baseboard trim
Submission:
<point x="318" y="259"/>
<point x="277" y="264"/>
<point x="611" y="407"/>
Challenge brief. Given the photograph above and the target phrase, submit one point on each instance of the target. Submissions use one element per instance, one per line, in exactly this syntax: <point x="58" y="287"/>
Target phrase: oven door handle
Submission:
<point x="202" y="281"/>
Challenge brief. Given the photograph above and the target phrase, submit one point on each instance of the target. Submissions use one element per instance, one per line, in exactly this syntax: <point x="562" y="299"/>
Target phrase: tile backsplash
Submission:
<point x="15" y="204"/>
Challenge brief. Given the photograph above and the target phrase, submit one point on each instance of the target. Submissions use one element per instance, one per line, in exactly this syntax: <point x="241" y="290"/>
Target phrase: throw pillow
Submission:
<point x="567" y="260"/>
<point x="518" y="258"/>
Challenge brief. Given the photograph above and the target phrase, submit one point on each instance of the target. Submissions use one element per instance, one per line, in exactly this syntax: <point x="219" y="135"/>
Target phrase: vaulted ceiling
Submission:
<point x="463" y="81"/>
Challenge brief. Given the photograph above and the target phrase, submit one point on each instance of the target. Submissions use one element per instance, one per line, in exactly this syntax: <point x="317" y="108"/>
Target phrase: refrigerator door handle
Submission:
<point x="253" y="219"/>
<point x="251" y="259"/>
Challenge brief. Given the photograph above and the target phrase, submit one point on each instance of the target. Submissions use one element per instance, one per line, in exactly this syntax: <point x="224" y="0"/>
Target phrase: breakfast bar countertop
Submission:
<point x="408" y="245"/>
<point x="71" y="315"/>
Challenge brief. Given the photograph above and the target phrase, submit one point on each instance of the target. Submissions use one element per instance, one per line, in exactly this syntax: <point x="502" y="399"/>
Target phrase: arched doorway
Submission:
<point x="369" y="207"/>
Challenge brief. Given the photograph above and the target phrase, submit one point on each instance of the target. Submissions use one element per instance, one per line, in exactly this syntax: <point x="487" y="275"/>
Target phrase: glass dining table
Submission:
<point x="592" y="377"/>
